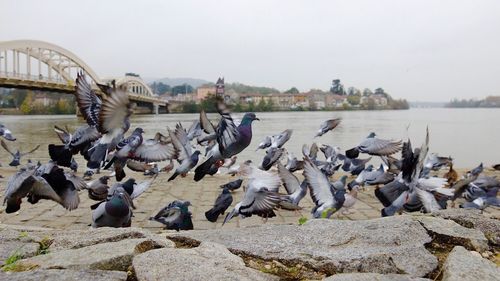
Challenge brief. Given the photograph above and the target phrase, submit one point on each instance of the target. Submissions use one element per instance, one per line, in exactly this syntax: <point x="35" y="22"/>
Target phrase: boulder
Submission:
<point x="385" y="245"/>
<point x="450" y="232"/>
<point x="104" y="256"/>
<point x="64" y="275"/>
<point x="209" y="261"/>
<point x="474" y="219"/>
<point x="373" y="277"/>
<point x="464" y="266"/>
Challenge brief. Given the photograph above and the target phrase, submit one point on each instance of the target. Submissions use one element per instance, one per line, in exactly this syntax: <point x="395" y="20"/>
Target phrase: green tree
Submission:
<point x="27" y="104"/>
<point x="209" y="103"/>
<point x="292" y="90"/>
<point x="182" y="89"/>
<point x="190" y="107"/>
<point x="367" y="92"/>
<point x="353" y="99"/>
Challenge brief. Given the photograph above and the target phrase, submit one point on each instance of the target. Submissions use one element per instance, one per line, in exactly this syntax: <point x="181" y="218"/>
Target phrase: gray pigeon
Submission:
<point x="223" y="201"/>
<point x="273" y="155"/>
<point x="16" y="156"/>
<point x="6" y="133"/>
<point x="233" y="185"/>
<point x="327" y="199"/>
<point x="186" y="158"/>
<point x="98" y="189"/>
<point x="328" y="125"/>
<point x="265" y="143"/>
<point x="175" y="215"/>
<point x="374" y="146"/>
<point x="115" y="212"/>
<point x="293" y="164"/>
<point x="261" y="195"/>
<point x="294" y="188"/>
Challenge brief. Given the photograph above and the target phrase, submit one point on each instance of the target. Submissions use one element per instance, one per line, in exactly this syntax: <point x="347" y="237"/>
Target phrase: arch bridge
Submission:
<point x="38" y="65"/>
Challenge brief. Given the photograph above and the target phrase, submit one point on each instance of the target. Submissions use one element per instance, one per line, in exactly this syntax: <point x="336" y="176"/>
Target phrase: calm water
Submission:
<point x="468" y="135"/>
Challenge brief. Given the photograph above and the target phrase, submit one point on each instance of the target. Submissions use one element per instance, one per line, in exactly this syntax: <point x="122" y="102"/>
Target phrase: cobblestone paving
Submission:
<point x="201" y="195"/>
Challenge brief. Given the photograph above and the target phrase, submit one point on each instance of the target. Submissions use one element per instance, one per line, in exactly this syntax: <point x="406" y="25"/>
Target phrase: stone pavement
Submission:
<point x="201" y="195"/>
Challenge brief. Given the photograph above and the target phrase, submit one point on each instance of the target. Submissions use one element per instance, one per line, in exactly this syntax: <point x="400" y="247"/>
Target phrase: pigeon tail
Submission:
<point x="212" y="215"/>
<point x="60" y="154"/>
<point x="352" y="153"/>
<point x="204" y="168"/>
<point x="173" y="176"/>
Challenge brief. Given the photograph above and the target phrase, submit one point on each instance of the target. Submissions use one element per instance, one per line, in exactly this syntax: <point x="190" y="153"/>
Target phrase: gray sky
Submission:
<point x="418" y="50"/>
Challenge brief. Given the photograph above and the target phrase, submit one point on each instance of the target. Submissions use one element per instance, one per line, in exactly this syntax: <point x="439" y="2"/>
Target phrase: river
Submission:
<point x="470" y="136"/>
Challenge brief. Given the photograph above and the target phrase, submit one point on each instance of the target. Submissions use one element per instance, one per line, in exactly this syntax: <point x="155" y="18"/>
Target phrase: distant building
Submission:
<point x="204" y="91"/>
<point x="43" y="99"/>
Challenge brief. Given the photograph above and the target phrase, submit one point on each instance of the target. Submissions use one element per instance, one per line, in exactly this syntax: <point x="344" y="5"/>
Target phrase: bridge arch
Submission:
<point x="134" y="84"/>
<point x="56" y="59"/>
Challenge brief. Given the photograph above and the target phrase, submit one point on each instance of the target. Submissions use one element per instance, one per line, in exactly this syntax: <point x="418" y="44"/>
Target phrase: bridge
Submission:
<point x="38" y="65"/>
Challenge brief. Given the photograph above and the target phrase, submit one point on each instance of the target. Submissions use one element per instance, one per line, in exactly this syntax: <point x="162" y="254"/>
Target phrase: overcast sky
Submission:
<point x="418" y="50"/>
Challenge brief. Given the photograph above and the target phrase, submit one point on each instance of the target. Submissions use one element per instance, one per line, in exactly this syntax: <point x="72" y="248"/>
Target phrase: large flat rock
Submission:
<point x="474" y="219"/>
<point x="453" y="233"/>
<point x="104" y="256"/>
<point x="373" y="277"/>
<point x="462" y="265"/>
<point x="74" y="239"/>
<point x="64" y="275"/>
<point x="385" y="245"/>
<point x="209" y="261"/>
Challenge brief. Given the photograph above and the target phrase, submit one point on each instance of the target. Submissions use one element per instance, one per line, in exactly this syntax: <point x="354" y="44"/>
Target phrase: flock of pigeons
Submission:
<point x="405" y="184"/>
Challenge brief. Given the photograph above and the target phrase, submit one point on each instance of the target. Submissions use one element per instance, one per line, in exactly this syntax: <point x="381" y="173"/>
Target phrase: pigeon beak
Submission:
<point x="229" y="216"/>
<point x="256" y="119"/>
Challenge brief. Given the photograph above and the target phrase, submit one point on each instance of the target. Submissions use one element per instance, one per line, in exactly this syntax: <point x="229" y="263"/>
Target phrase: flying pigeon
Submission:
<point x="273" y="155"/>
<point x="16" y="156"/>
<point x="223" y="201"/>
<point x="293" y="164"/>
<point x="231" y="140"/>
<point x="187" y="158"/>
<point x="326" y="126"/>
<point x="175" y="215"/>
<point x="374" y="146"/>
<point x="261" y="195"/>
<point x="276" y="141"/>
<point x="294" y="188"/>
<point x="80" y="141"/>
<point x="327" y="199"/>
<point x="6" y="133"/>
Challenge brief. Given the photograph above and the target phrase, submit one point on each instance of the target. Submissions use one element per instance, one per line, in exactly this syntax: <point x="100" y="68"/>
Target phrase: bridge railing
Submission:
<point x="40" y="78"/>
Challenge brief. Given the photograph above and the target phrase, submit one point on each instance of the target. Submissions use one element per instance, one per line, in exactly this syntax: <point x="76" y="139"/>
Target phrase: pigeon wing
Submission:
<point x="154" y="151"/>
<point x="31" y="151"/>
<point x="140" y="188"/>
<point x="205" y="124"/>
<point x="290" y="182"/>
<point x="318" y="184"/>
<point x="115" y="111"/>
<point x="379" y="147"/>
<point x="88" y="101"/>
<point x="6" y="147"/>
<point x="227" y="132"/>
<point x="260" y="202"/>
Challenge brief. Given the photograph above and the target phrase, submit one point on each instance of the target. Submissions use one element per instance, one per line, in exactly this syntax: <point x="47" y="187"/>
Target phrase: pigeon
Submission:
<point x="114" y="212"/>
<point x="354" y="166"/>
<point x="265" y="143"/>
<point x="175" y="215"/>
<point x="435" y="162"/>
<point x="261" y="196"/>
<point x="350" y="199"/>
<point x="476" y="171"/>
<point x="18" y="186"/>
<point x="328" y="125"/>
<point x="79" y="142"/>
<point x="393" y="164"/>
<point x="6" y="133"/>
<point x="16" y="156"/>
<point x="133" y="188"/>
<point x="223" y="201"/>
<point x="293" y="164"/>
<point x="186" y="158"/>
<point x="138" y="166"/>
<point x="481" y="193"/>
<point x="496" y="167"/>
<point x="98" y="189"/>
<point x="73" y="165"/>
<point x="294" y="188"/>
<point x="231" y="140"/>
<point x="194" y="130"/>
<point x="273" y="155"/>
<point x="374" y="146"/>
<point x="233" y="185"/>
<point x="326" y="198"/>
<point x="134" y="147"/>
<point x="110" y="117"/>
